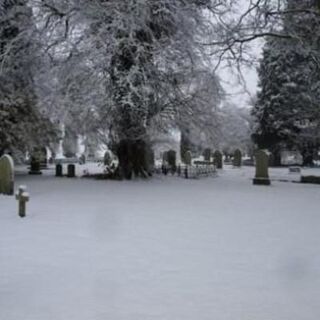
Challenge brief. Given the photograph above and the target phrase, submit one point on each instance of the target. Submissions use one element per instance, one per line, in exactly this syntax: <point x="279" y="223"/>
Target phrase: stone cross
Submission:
<point x="22" y="196"/>
<point x="262" y="162"/>
<point x="6" y="175"/>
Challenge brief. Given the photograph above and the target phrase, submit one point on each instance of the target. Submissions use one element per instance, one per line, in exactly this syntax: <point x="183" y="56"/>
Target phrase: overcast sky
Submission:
<point x="236" y="92"/>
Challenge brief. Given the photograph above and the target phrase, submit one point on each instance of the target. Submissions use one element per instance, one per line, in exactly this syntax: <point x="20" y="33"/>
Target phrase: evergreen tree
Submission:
<point x="287" y="108"/>
<point x="22" y="124"/>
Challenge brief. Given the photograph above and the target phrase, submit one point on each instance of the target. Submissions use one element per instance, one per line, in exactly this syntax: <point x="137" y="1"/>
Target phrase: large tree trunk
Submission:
<point x="135" y="157"/>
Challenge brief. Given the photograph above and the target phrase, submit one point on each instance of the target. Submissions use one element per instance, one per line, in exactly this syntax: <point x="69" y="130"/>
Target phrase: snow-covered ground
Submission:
<point x="165" y="249"/>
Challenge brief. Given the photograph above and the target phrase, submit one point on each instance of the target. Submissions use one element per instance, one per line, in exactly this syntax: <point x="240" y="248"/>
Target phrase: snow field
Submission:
<point x="168" y="248"/>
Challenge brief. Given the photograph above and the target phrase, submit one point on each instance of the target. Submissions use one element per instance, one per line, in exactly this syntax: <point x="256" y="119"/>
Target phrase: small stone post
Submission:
<point x="59" y="170"/>
<point x="71" y="171"/>
<point x="22" y="196"/>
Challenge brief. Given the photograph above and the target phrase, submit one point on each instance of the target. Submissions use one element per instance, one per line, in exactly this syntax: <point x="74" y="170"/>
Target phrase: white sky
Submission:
<point x="237" y="93"/>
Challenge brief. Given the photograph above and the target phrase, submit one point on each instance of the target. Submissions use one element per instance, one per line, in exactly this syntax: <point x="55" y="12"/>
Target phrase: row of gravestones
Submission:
<point x="217" y="157"/>
<point x="7" y="170"/>
<point x="7" y="174"/>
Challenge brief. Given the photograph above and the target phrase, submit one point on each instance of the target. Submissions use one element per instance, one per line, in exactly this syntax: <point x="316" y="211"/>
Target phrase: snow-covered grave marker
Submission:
<point x="22" y="196"/>
<point x="217" y="156"/>
<point x="237" y="158"/>
<point x="262" y="162"/>
<point x="6" y="175"/>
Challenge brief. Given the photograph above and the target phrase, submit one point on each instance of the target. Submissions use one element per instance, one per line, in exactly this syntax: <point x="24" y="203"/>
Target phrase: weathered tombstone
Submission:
<point x="262" y="162"/>
<point x="237" y="158"/>
<point x="218" y="159"/>
<point x="172" y="158"/>
<point x="23" y="197"/>
<point x="207" y="154"/>
<point x="35" y="162"/>
<point x="71" y="170"/>
<point x="59" y="170"/>
<point x="187" y="158"/>
<point x="6" y="175"/>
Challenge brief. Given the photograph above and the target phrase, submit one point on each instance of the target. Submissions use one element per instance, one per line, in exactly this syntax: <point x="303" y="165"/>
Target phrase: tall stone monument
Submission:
<point x="6" y="175"/>
<point x="262" y="162"/>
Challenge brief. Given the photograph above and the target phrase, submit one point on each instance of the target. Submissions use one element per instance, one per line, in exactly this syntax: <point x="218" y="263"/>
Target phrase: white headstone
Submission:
<point x="6" y="175"/>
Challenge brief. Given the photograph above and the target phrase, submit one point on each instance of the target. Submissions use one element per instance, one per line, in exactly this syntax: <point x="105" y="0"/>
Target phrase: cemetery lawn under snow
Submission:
<point x="165" y="249"/>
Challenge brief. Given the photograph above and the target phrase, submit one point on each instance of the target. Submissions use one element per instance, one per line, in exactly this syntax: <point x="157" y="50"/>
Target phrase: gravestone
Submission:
<point x="237" y="158"/>
<point x="71" y="170"/>
<point x="218" y="159"/>
<point x="6" y="175"/>
<point x="262" y="162"/>
<point x="59" y="170"/>
<point x="23" y="197"/>
<point x="35" y="162"/>
<point x="207" y="154"/>
<point x="187" y="158"/>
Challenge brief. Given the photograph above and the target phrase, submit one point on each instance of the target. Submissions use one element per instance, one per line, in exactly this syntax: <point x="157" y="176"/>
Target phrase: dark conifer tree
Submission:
<point x="287" y="108"/>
